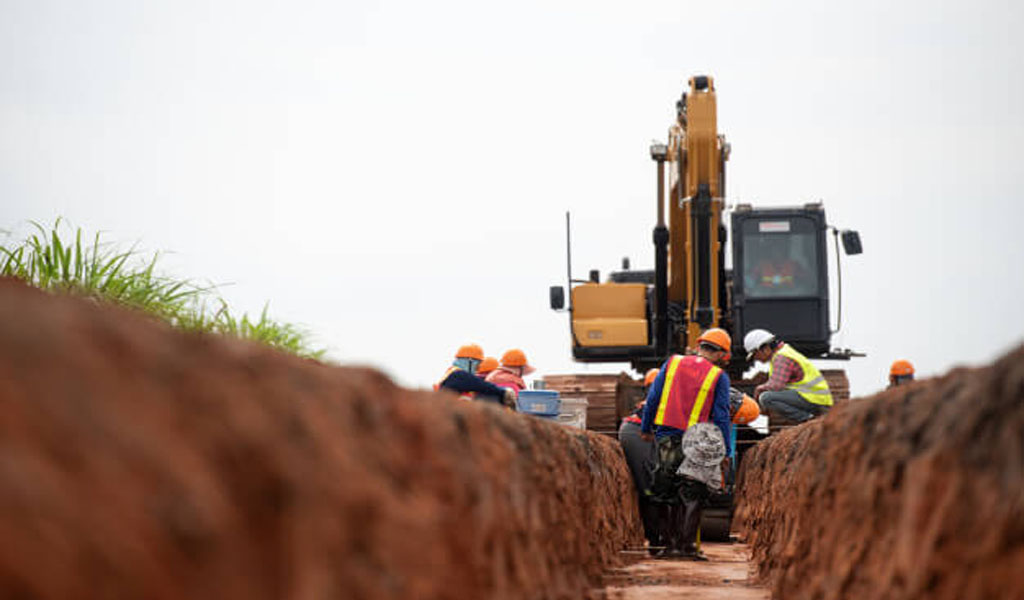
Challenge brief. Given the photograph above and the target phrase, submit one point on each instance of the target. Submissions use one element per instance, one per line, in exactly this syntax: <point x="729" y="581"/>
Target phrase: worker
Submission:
<point x="722" y="339"/>
<point x="742" y="407"/>
<point x="487" y="365"/>
<point x="641" y="456"/>
<point x="687" y="413"/>
<point x="901" y="373"/>
<point x="461" y="379"/>
<point x="796" y="391"/>
<point x="776" y="272"/>
<point x="511" y="371"/>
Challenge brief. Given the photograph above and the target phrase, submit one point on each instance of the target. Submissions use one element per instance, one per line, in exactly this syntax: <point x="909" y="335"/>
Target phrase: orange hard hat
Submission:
<point x="651" y="375"/>
<point x="718" y="337"/>
<point x="901" y="367"/>
<point x="516" y="358"/>
<point x="473" y="351"/>
<point x="747" y="412"/>
<point x="488" y="364"/>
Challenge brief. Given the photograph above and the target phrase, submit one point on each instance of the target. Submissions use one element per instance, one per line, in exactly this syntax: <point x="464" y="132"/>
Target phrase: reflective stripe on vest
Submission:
<point x="688" y="381"/>
<point x="813" y="387"/>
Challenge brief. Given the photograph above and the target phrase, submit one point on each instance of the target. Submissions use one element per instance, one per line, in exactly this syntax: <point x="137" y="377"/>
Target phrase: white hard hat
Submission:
<point x="756" y="338"/>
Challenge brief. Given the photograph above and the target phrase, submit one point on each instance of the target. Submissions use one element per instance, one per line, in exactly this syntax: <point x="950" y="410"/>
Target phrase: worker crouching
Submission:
<point x="687" y="412"/>
<point x="796" y="391"/>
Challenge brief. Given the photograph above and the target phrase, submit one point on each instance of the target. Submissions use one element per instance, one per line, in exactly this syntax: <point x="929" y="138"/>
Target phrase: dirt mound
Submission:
<point x="917" y="492"/>
<point x="139" y="462"/>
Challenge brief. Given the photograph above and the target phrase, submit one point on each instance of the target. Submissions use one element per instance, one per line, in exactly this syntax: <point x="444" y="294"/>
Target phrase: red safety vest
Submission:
<point x="452" y="369"/>
<point x="689" y="380"/>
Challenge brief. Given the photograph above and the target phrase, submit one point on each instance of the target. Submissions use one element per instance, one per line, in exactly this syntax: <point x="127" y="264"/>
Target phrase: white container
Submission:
<point x="573" y="412"/>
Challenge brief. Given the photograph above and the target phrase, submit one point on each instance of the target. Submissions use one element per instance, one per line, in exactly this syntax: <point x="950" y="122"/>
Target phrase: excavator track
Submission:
<point x="716" y="522"/>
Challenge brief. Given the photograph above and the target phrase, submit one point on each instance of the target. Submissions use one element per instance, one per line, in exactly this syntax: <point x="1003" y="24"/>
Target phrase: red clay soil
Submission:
<point x="726" y="576"/>
<point x="916" y="492"/>
<point x="140" y="462"/>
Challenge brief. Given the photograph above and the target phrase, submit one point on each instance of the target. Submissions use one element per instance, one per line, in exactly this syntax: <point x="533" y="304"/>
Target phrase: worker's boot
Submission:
<point x="649" y="517"/>
<point x="667" y="530"/>
<point x="691" y="510"/>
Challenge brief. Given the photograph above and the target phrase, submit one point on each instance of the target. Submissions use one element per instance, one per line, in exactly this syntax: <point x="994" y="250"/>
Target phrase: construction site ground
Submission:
<point x="728" y="574"/>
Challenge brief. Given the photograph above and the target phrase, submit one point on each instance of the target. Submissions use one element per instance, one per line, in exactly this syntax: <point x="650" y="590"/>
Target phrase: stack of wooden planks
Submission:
<point x="838" y="384"/>
<point x="609" y="397"/>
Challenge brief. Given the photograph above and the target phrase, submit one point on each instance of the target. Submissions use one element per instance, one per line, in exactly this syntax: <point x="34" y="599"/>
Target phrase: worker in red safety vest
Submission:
<point x="511" y="371"/>
<point x="641" y="456"/>
<point x="461" y="378"/>
<point x="687" y="408"/>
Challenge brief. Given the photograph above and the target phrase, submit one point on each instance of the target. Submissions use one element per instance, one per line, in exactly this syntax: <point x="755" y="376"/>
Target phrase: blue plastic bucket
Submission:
<point x="543" y="403"/>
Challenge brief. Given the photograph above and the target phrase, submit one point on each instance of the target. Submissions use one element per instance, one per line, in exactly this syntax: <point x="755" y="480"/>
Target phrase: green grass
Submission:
<point x="59" y="261"/>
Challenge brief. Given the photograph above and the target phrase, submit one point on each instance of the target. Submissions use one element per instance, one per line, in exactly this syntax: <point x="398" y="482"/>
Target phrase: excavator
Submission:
<point x="778" y="279"/>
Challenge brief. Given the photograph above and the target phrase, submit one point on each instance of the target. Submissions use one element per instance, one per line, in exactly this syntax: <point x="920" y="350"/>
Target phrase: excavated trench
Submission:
<point x="917" y="492"/>
<point x="140" y="462"/>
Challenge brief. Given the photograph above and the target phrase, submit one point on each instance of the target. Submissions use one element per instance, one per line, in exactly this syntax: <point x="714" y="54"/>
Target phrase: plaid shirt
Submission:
<point x="784" y="370"/>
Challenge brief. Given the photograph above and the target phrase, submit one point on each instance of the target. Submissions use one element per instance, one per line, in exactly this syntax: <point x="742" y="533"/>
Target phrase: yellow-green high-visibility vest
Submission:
<point x="813" y="387"/>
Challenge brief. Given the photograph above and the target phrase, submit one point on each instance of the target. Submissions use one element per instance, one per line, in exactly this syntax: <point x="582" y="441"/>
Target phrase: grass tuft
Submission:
<point x="54" y="261"/>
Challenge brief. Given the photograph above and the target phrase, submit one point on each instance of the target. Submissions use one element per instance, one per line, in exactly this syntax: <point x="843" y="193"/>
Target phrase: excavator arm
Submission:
<point x="688" y="287"/>
<point x="696" y="158"/>
<point x="641" y="322"/>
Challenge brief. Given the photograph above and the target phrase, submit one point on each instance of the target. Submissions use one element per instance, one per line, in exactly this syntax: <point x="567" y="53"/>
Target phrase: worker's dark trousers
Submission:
<point x="640" y="458"/>
<point x="665" y="488"/>
<point x="687" y="514"/>
<point x="788" y="406"/>
<point x="649" y="517"/>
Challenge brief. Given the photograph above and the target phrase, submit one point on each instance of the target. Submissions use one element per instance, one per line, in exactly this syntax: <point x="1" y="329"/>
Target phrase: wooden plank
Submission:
<point x="606" y="396"/>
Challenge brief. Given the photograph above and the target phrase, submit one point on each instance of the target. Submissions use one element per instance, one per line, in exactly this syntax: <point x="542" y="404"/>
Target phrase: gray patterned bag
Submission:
<point x="703" y="452"/>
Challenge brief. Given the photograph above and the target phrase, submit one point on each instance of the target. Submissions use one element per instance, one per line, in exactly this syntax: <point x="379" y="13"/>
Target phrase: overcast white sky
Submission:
<point x="394" y="175"/>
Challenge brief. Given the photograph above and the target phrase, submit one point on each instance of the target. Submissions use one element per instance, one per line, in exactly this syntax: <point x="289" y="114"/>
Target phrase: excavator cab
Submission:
<point x="780" y="274"/>
<point x="779" y="281"/>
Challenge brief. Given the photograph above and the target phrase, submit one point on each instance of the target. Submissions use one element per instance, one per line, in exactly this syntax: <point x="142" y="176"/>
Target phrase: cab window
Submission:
<point x="780" y="258"/>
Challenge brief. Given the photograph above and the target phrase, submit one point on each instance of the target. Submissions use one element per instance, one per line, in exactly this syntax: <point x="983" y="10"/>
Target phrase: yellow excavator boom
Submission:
<point x="615" y="316"/>
<point x="696" y="157"/>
